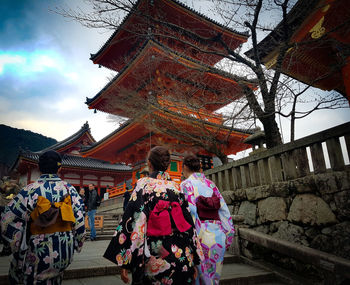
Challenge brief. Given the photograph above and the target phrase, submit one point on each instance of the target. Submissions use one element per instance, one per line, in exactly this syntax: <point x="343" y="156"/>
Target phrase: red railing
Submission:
<point x="116" y="191"/>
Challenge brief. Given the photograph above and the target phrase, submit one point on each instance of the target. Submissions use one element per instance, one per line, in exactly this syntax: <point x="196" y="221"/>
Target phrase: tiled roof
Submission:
<point x="93" y="56"/>
<point x="294" y="18"/>
<point x="79" y="162"/>
<point x="121" y="127"/>
<point x="130" y="121"/>
<point x="207" y="67"/>
<point x="85" y="128"/>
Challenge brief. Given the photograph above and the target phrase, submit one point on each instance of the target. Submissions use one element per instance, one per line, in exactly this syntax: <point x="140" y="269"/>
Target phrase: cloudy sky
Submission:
<point x="46" y="74"/>
<point x="45" y="71"/>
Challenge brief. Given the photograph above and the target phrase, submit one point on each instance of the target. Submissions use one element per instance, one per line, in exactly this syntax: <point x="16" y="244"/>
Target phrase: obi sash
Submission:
<point x="159" y="222"/>
<point x="208" y="207"/>
<point x="50" y="217"/>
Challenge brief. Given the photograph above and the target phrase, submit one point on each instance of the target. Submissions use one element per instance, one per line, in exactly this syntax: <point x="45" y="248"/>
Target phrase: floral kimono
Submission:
<point x="215" y="235"/>
<point x="156" y="238"/>
<point x="40" y="257"/>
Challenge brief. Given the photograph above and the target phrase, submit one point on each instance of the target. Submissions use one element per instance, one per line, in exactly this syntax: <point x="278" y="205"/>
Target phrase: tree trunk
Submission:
<point x="272" y="132"/>
<point x="292" y="127"/>
<point x="223" y="158"/>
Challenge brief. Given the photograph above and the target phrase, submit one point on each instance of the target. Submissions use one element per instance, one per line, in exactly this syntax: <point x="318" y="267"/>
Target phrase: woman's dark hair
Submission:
<point x="192" y="162"/>
<point x="160" y="158"/>
<point x="49" y="162"/>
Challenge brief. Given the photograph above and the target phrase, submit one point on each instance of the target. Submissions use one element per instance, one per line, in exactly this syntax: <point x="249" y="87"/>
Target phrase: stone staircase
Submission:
<point x="235" y="271"/>
<point x="110" y="222"/>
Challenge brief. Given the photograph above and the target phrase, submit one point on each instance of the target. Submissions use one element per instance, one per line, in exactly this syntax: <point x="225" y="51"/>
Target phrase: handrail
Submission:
<point x="117" y="190"/>
<point x="318" y="258"/>
<point x="337" y="131"/>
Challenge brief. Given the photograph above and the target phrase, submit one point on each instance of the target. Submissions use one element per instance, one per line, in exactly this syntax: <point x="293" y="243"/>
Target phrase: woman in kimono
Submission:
<point x="212" y="219"/>
<point x="156" y="238"/>
<point x="44" y="225"/>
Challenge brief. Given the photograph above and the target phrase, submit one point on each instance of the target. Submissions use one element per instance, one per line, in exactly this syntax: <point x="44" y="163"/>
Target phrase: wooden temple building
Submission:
<point x="164" y="53"/>
<point x="319" y="39"/>
<point x="77" y="170"/>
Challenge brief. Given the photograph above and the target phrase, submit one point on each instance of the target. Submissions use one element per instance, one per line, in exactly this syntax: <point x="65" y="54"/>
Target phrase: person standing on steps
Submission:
<point x="92" y="204"/>
<point x="211" y="217"/>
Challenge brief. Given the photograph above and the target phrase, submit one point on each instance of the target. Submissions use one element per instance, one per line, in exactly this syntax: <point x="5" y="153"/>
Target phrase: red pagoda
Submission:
<point x="164" y="53"/>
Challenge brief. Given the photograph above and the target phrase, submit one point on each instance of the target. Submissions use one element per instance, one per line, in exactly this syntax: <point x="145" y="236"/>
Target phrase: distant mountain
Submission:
<point x="12" y="139"/>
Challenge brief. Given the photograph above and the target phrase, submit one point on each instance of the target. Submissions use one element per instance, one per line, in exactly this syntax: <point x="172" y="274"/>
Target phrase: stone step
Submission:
<point x="89" y="267"/>
<point x="105" y="232"/>
<point x="116" y="280"/>
<point x="232" y="274"/>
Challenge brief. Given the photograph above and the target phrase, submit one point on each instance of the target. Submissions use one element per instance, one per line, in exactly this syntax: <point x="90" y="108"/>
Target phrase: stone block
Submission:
<point x="323" y="243"/>
<point x="256" y="193"/>
<point x="227" y="195"/>
<point x="248" y="211"/>
<point x="326" y="183"/>
<point x="280" y="189"/>
<point x="265" y="229"/>
<point x="272" y="209"/>
<point x="310" y="209"/>
<point x="342" y="203"/>
<point x="342" y="179"/>
<point x="293" y="233"/>
<point x="304" y="185"/>
<point x="274" y="226"/>
<point x="237" y="195"/>
<point x="311" y="233"/>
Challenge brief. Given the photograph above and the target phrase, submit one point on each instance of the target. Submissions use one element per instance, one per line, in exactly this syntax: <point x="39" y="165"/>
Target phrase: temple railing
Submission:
<point x="286" y="162"/>
<point x="116" y="191"/>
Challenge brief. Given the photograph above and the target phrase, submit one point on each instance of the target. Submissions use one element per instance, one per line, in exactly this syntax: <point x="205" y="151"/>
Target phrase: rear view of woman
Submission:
<point x="156" y="239"/>
<point x="212" y="219"/>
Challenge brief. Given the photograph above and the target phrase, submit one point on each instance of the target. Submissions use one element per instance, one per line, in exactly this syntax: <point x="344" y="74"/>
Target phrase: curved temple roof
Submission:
<point x="73" y="139"/>
<point x="73" y="161"/>
<point x="131" y="141"/>
<point x="319" y="44"/>
<point x="154" y="63"/>
<point x="171" y="22"/>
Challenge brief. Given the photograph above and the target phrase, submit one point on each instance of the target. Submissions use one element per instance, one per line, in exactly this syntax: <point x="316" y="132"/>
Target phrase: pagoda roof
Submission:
<point x="73" y="161"/>
<point x="319" y="40"/>
<point x="131" y="142"/>
<point x="110" y="147"/>
<point x="156" y="65"/>
<point x="166" y="15"/>
<point x="73" y="140"/>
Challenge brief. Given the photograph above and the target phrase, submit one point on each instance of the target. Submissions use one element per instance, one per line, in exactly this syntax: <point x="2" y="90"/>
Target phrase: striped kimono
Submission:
<point x="215" y="235"/>
<point x="41" y="258"/>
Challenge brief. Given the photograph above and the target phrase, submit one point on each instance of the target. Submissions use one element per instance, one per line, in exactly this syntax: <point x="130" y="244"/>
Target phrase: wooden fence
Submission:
<point x="286" y="162"/>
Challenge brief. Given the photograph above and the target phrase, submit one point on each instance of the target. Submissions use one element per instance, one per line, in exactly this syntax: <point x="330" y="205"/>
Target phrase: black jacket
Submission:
<point x="92" y="200"/>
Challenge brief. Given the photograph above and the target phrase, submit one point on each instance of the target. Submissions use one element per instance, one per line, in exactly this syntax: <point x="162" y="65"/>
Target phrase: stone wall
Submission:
<point x="290" y="193"/>
<point x="312" y="211"/>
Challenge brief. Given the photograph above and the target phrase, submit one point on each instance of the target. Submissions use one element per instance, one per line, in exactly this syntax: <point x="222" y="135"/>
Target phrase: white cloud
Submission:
<point x="8" y="59"/>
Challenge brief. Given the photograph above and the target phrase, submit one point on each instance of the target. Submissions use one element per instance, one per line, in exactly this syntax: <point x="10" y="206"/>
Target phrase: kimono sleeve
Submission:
<point x="14" y="221"/>
<point x="187" y="189"/>
<point x="127" y="246"/>
<point x="79" y="225"/>
<point x="195" y="244"/>
<point x="225" y="218"/>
